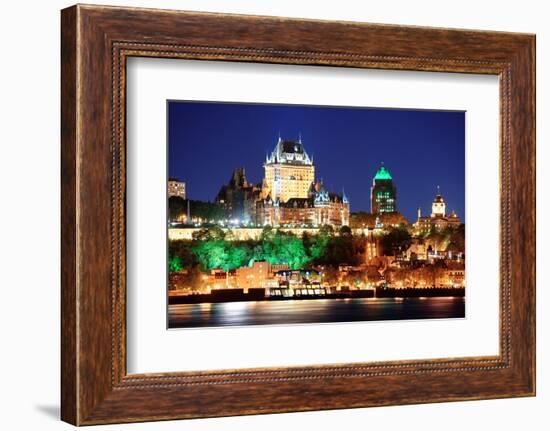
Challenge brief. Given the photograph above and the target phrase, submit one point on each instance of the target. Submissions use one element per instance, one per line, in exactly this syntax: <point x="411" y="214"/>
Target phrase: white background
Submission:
<point x="151" y="348"/>
<point x="29" y="217"/>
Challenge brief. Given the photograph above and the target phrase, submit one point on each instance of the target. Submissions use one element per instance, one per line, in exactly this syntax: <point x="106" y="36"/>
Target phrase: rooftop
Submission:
<point x="382" y="174"/>
<point x="292" y="147"/>
<point x="439" y="199"/>
<point x="289" y="152"/>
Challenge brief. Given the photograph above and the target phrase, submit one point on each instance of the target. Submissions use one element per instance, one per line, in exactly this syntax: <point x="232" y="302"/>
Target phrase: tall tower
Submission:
<point x="438" y="205"/>
<point x="383" y="194"/>
<point x="289" y="171"/>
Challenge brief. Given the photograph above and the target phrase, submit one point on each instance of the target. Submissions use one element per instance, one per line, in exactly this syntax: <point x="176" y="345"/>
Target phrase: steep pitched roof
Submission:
<point x="382" y="174"/>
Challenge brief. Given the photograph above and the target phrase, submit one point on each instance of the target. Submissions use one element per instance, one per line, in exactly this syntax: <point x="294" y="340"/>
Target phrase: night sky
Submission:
<point x="421" y="149"/>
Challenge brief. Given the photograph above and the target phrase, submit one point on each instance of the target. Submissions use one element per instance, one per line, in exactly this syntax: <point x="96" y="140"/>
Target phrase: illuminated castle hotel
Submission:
<point x="289" y="172"/>
<point x="288" y="194"/>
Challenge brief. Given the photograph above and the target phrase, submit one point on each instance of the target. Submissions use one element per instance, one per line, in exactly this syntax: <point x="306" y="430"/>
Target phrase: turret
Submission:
<point x="438" y="205"/>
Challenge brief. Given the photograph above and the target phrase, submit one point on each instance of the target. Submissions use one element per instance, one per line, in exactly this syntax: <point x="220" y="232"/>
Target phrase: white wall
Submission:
<point x="29" y="269"/>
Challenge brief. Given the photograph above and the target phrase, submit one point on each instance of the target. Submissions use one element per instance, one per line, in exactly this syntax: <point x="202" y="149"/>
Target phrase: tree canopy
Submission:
<point x="214" y="247"/>
<point x="395" y="241"/>
<point x="207" y="211"/>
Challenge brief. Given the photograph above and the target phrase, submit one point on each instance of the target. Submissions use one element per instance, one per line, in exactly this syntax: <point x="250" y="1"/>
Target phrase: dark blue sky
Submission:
<point x="421" y="149"/>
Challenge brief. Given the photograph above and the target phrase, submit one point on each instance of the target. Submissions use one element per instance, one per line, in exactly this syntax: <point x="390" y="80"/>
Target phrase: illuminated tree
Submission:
<point x="291" y="250"/>
<point x="209" y="234"/>
<point x="278" y="247"/>
<point x="214" y="248"/>
<point x="267" y="234"/>
<point x="174" y="264"/>
<point x="236" y="257"/>
<point x="316" y="246"/>
<point x="183" y="250"/>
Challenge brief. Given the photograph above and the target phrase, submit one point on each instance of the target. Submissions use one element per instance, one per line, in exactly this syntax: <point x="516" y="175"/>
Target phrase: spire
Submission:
<point x="419" y="214"/>
<point x="438" y="191"/>
<point x="344" y="197"/>
<point x="300" y="137"/>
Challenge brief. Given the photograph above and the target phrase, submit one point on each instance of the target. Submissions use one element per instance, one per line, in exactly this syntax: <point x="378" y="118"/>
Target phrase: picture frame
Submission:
<point x="96" y="42"/>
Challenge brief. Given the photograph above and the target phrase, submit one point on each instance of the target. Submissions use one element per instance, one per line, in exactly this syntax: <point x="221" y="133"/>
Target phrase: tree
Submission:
<point x="209" y="234"/>
<point x="278" y="247"/>
<point x="341" y="251"/>
<point x="214" y="248"/>
<point x="216" y="253"/>
<point x="210" y="253"/>
<point x="395" y="241"/>
<point x="345" y="231"/>
<point x="326" y="230"/>
<point x="207" y="211"/>
<point x="177" y="208"/>
<point x="457" y="238"/>
<point x="183" y="250"/>
<point x="362" y="220"/>
<point x="174" y="264"/>
<point x="267" y="233"/>
<point x="237" y="256"/>
<point x="293" y="252"/>
<point x="316" y="246"/>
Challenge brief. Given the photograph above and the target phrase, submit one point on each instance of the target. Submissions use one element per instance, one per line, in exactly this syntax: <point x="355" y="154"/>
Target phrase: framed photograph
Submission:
<point x="264" y="214"/>
<point x="287" y="248"/>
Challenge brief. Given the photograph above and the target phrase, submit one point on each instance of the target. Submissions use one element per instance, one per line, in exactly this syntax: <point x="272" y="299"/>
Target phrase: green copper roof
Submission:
<point x="382" y="174"/>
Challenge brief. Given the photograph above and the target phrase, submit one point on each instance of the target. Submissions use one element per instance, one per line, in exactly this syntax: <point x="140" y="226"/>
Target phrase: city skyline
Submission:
<point x="421" y="149"/>
<point x="301" y="203"/>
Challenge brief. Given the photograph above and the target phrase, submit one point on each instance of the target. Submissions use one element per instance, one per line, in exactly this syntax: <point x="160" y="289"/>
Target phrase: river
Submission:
<point x="282" y="312"/>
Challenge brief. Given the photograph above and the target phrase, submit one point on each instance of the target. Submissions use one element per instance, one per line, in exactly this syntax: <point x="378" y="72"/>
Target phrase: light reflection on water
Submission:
<point x="312" y="311"/>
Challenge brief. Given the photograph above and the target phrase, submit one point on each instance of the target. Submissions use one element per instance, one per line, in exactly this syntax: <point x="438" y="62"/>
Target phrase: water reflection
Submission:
<point x="313" y="311"/>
